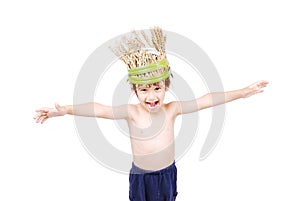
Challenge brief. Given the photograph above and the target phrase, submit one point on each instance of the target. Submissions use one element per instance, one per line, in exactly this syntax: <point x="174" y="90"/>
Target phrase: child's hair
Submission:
<point x="167" y="83"/>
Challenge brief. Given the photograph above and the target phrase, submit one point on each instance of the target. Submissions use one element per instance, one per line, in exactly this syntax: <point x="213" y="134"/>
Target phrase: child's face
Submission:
<point x="152" y="96"/>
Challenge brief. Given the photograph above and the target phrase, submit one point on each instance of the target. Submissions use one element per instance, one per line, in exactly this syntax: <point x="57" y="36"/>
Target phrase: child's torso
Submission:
<point x="152" y="139"/>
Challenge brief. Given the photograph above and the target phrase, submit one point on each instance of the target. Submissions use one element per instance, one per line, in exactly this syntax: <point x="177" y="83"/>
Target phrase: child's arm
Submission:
<point x="86" y="109"/>
<point x="217" y="98"/>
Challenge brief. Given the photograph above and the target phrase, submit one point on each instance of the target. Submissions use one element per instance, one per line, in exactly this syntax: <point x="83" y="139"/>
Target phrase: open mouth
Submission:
<point x="152" y="104"/>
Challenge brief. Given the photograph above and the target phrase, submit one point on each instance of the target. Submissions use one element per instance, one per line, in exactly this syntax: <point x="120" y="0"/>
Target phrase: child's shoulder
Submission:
<point x="173" y="108"/>
<point x="133" y="109"/>
<point x="172" y="104"/>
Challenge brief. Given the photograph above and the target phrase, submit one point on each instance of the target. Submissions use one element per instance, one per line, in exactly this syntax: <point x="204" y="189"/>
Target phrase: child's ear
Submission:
<point x="166" y="88"/>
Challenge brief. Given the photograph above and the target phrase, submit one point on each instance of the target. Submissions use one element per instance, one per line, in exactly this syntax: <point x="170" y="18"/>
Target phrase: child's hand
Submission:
<point x="254" y="88"/>
<point x="45" y="113"/>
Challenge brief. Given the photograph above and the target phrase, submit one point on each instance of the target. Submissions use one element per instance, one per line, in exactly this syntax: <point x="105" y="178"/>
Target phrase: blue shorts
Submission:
<point x="160" y="185"/>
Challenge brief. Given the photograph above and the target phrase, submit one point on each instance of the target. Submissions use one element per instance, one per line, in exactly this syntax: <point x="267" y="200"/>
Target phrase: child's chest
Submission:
<point x="154" y="127"/>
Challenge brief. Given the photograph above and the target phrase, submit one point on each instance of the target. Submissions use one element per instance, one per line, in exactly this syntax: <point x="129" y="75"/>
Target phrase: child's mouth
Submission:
<point x="152" y="104"/>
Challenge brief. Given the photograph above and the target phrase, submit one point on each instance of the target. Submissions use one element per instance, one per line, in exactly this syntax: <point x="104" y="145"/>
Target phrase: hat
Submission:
<point x="145" y="58"/>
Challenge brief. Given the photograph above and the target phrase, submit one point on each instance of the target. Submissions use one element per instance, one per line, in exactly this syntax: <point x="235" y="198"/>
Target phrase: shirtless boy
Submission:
<point x="153" y="175"/>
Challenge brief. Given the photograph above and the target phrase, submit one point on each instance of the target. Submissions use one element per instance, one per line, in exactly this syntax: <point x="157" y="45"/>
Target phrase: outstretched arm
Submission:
<point x="217" y="98"/>
<point x="87" y="109"/>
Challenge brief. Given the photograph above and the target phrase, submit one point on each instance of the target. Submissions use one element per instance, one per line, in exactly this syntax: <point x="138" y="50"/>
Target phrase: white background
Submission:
<point x="43" y="46"/>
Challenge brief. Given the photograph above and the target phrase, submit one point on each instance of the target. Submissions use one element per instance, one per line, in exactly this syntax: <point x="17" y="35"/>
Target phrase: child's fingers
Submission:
<point x="44" y="119"/>
<point x="39" y="114"/>
<point x="260" y="91"/>
<point x="40" y="118"/>
<point x="37" y="120"/>
<point x="57" y="106"/>
<point x="260" y="84"/>
<point x="43" y="109"/>
<point x="263" y="83"/>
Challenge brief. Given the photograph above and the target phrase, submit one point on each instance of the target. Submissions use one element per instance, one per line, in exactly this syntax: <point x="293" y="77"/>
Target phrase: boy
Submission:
<point x="153" y="174"/>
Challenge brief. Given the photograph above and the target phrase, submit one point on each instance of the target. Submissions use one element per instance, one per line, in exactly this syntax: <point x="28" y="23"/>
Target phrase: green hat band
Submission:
<point x="147" y="69"/>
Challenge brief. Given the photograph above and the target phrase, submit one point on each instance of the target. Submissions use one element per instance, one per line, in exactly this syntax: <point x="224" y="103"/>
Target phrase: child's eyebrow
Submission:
<point x="142" y="88"/>
<point x="159" y="86"/>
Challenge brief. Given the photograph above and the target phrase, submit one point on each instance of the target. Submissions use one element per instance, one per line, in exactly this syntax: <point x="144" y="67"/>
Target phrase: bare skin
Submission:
<point x="151" y="122"/>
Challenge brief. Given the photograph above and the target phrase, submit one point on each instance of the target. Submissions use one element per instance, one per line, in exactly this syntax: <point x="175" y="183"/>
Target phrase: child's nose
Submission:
<point x="151" y="94"/>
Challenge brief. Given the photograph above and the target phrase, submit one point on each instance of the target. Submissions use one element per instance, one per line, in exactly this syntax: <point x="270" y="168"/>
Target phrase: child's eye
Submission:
<point x="157" y="88"/>
<point x="143" y="90"/>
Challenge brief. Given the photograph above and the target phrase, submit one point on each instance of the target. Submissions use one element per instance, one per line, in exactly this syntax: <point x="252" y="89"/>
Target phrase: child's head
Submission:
<point x="151" y="96"/>
<point x="147" y="65"/>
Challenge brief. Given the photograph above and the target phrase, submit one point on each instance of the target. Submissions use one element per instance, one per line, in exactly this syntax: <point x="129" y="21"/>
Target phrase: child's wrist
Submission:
<point x="68" y="109"/>
<point x="244" y="92"/>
